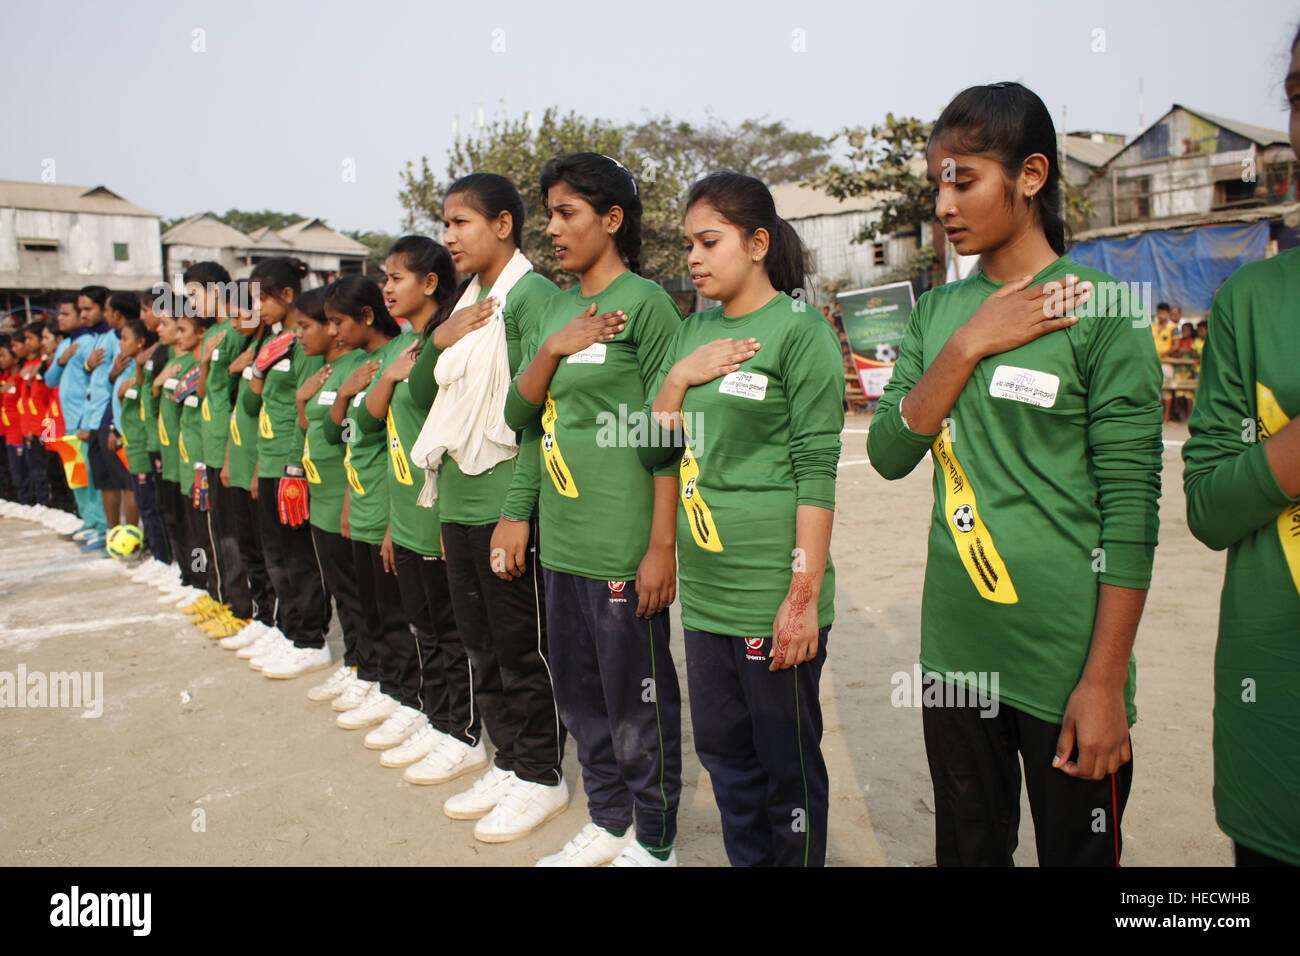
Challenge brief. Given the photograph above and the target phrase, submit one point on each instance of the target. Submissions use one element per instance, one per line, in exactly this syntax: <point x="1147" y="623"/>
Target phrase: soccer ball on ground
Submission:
<point x="124" y="540"/>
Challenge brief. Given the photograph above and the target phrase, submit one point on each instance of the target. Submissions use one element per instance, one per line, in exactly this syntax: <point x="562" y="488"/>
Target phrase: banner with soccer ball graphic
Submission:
<point x="874" y="321"/>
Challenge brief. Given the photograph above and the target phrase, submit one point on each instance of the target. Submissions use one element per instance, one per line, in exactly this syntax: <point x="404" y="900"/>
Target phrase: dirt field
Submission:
<point x="187" y="727"/>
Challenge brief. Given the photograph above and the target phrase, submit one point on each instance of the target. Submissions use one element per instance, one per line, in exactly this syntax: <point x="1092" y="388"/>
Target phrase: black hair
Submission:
<point x="604" y="183"/>
<point x="492" y="195"/>
<point x="34" y="328"/>
<point x="1162" y="306"/>
<point x="127" y="303"/>
<point x="51" y="326"/>
<point x="745" y="202"/>
<point x="1009" y="122"/>
<point x="67" y="298"/>
<point x="5" y="341"/>
<point x="97" y="294"/>
<point x="201" y="321"/>
<point x="421" y="255"/>
<point x="351" y="294"/>
<point x="141" y="331"/>
<point x="312" y="304"/>
<point x="280" y="273"/>
<point x="206" y="272"/>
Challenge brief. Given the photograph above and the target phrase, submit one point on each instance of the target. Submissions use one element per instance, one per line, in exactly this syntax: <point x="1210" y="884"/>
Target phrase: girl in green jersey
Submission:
<point x="1040" y="406"/>
<point x="1242" y="478"/>
<point x="592" y="357"/>
<point x="758" y="386"/>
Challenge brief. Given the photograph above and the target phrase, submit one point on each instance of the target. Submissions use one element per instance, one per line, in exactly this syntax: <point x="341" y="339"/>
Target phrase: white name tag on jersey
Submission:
<point x="170" y="383"/>
<point x="1025" y="385"/>
<point x="248" y="373"/>
<point x="744" y="385"/>
<point x="132" y="393"/>
<point x="192" y="401"/>
<point x="593" y="354"/>
<point x="327" y="398"/>
<point x="282" y="366"/>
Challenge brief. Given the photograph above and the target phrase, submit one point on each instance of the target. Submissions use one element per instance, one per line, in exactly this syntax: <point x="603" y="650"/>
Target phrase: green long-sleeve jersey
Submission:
<point x="1249" y="389"/>
<point x="322" y="459"/>
<point x="1046" y="483"/>
<point x="762" y="441"/>
<point x="510" y="487"/>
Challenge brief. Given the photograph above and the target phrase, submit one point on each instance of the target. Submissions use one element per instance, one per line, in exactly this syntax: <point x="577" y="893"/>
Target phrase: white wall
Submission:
<point x="85" y="254"/>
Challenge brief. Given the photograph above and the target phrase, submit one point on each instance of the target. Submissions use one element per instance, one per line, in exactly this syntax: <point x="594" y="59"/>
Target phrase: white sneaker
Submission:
<point x="637" y="855"/>
<point x="450" y="759"/>
<point x="261" y="644"/>
<point x="337" y="683"/>
<point x="278" y="648"/>
<point x="375" y="709"/>
<point x="353" y="696"/>
<point x="246" y="636"/>
<point x="414" y="748"/>
<point x="524" y="808"/>
<point x="480" y="799"/>
<point x="400" y="724"/>
<point x="297" y="661"/>
<point x="593" y="846"/>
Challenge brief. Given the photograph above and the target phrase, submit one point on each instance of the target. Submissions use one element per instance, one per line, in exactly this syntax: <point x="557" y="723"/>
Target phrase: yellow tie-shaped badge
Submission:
<point x="353" y="478"/>
<point x="207" y="415"/>
<point x="234" y="430"/>
<point x="555" y="465"/>
<point x="264" y="424"/>
<point x="974" y="542"/>
<point x="698" y="516"/>
<point x="1272" y="420"/>
<point x="162" y="433"/>
<point x="401" y="470"/>
<point x="308" y="465"/>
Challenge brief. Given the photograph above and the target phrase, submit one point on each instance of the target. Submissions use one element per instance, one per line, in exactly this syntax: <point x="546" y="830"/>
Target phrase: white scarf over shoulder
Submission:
<point x="467" y="420"/>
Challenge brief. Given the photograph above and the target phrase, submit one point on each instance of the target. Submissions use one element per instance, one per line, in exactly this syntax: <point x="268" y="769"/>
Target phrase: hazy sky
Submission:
<point x="284" y="93"/>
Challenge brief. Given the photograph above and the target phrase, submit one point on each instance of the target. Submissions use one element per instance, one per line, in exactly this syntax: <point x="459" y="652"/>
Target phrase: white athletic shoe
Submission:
<point x="524" y="808"/>
<point x="480" y="799"/>
<point x="246" y="636"/>
<point x="353" y="696"/>
<point x="337" y="683"/>
<point x="277" y="650"/>
<point x="375" y="709"/>
<point x="637" y="855"/>
<point x="263" y="643"/>
<point x="296" y="662"/>
<point x="414" y="748"/>
<point x="449" y="759"/>
<point x="400" y="724"/>
<point x="593" y="846"/>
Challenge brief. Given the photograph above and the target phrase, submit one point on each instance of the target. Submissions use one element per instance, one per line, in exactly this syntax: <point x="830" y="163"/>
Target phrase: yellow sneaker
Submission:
<point x="225" y="626"/>
<point x="199" y="605"/>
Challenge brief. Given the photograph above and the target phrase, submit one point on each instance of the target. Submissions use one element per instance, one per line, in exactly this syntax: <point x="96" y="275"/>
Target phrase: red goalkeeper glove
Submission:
<point x="292" y="497"/>
<point x="200" y="493"/>
<point x="274" y="350"/>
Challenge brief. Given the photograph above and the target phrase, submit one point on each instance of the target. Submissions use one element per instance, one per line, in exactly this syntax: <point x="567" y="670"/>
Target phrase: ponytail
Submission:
<point x="747" y="204"/>
<point x="280" y="273"/>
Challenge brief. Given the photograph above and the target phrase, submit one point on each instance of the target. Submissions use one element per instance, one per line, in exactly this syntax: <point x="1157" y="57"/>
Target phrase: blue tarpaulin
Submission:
<point x="1184" y="266"/>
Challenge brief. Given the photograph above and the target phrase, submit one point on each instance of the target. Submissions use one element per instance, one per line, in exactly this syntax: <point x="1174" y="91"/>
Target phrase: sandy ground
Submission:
<point x="186" y="727"/>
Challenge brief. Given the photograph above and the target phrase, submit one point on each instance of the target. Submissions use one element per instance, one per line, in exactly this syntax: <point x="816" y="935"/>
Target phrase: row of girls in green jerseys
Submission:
<point x="1035" y="388"/>
<point x="1242" y="481"/>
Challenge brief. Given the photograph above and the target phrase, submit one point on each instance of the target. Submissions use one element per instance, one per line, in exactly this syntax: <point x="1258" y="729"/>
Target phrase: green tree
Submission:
<point x="518" y="149"/>
<point x="770" y="151"/>
<point x="883" y="163"/>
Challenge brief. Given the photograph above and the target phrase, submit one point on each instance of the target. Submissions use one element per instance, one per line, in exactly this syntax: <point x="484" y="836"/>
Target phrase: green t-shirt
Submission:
<point x="219" y="392"/>
<point x="1046" y="483"/>
<point x="509" y="488"/>
<point x="190" y="444"/>
<point x="135" y="425"/>
<point x="366" y="460"/>
<point x="280" y="436"/>
<point x="411" y="525"/>
<point x="322" y="459"/>
<point x="764" y="440"/>
<point x="151" y="407"/>
<point x="582" y="452"/>
<point x="1248" y="389"/>
<point x="169" y="418"/>
<point x="241" y="450"/>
